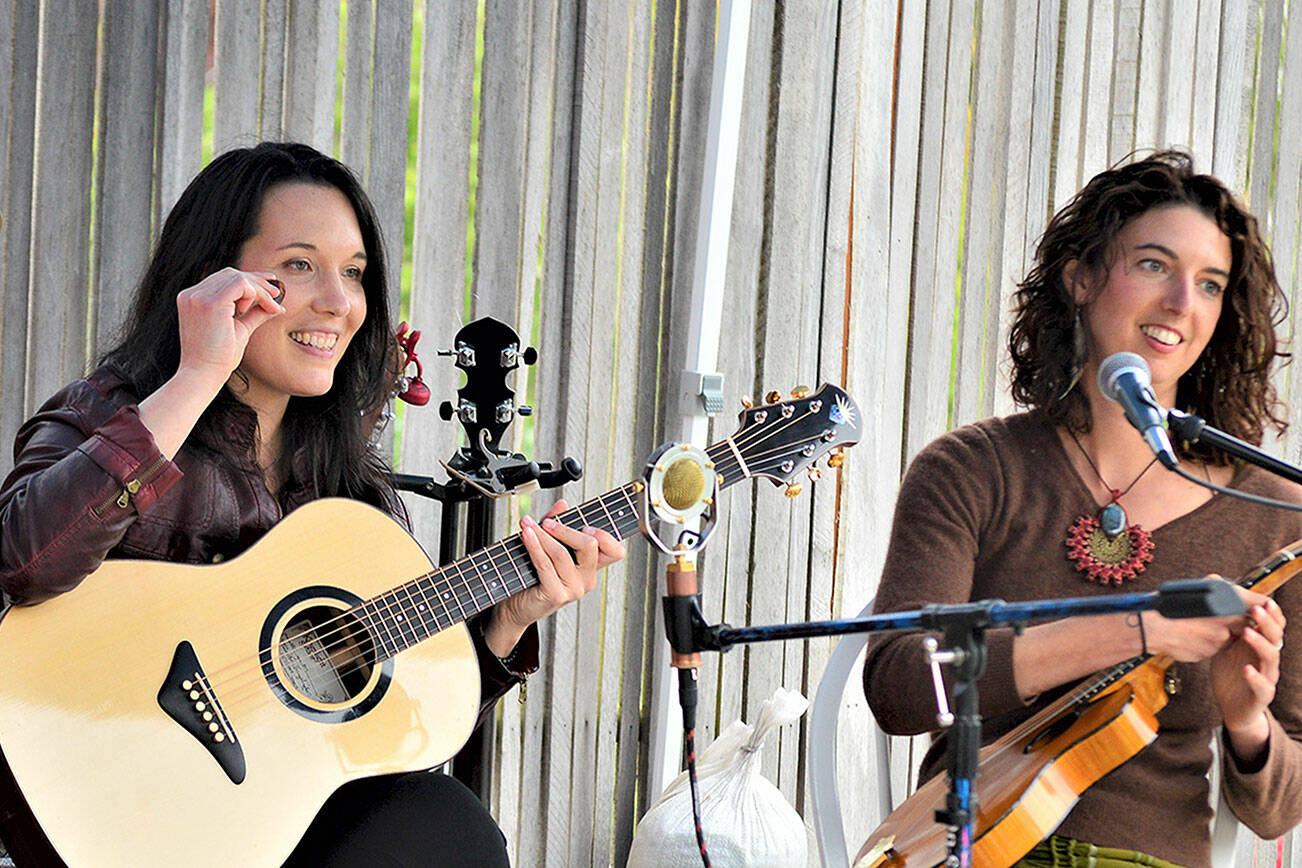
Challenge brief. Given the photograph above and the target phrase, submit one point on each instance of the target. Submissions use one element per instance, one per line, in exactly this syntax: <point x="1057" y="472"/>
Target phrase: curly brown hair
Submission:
<point x="1229" y="385"/>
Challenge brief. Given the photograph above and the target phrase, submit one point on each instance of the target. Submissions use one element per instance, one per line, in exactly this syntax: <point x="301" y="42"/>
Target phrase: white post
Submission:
<point x="702" y="348"/>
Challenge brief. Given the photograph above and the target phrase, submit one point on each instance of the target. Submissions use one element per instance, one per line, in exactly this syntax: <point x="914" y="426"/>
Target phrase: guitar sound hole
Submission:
<point x="326" y="655"/>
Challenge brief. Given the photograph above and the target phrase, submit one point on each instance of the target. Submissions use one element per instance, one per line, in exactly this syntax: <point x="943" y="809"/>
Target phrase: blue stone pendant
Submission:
<point x="1112" y="519"/>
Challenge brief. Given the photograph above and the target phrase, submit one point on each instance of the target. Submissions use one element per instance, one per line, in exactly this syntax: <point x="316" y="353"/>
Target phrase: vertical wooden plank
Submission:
<point x="1152" y="94"/>
<point x="1261" y="171"/>
<point x="875" y="347"/>
<point x="1075" y="25"/>
<point x="1098" y="102"/>
<point x="1283" y="238"/>
<point x="516" y="782"/>
<point x="275" y="27"/>
<point x="310" y="73"/>
<point x="180" y="138"/>
<point x="623" y="632"/>
<point x="1205" y="73"/>
<point x="932" y="308"/>
<point x="61" y="204"/>
<point x="237" y="61"/>
<point x="546" y="727"/>
<point x="1125" y="82"/>
<point x="905" y="162"/>
<point x="1176" y="109"/>
<point x="439" y="240"/>
<point x="386" y="173"/>
<point x="18" y="66"/>
<point x="657" y="42"/>
<point x="503" y="132"/>
<point x="976" y="377"/>
<point x="355" y="121"/>
<point x="790" y="279"/>
<point x="124" y="195"/>
<point x="1232" y="143"/>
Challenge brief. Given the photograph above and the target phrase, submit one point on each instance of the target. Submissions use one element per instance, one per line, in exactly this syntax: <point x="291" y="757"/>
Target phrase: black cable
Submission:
<point x="1242" y="495"/>
<point x="687" y="699"/>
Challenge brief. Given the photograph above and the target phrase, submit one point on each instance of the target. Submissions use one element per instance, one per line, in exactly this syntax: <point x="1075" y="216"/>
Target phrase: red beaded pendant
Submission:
<point x="1108" y="560"/>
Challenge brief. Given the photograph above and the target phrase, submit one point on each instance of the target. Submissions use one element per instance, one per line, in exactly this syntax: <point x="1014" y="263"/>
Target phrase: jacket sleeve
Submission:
<point x="498" y="675"/>
<point x="84" y="468"/>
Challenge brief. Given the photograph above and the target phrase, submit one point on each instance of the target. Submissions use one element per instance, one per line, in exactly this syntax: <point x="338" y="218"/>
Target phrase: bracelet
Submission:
<point x="1136" y="619"/>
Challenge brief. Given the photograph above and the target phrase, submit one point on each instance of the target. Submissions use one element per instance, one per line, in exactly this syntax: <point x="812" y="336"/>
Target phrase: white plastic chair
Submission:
<point x="826" y="800"/>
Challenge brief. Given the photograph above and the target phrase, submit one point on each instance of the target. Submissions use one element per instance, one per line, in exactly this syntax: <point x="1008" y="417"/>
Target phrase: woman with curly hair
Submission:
<point x="1064" y="500"/>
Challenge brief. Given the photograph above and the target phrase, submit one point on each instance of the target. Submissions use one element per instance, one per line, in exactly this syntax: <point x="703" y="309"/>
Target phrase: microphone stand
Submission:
<point x="1194" y="429"/>
<point x="963" y="626"/>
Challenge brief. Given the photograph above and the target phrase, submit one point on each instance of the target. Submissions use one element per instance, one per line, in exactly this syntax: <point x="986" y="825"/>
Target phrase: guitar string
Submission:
<point x="341" y="627"/>
<point x="363" y="661"/>
<point x="400" y="643"/>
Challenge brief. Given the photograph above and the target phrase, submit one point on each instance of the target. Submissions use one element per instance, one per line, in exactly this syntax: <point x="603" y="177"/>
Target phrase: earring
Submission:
<point x="1079" y="352"/>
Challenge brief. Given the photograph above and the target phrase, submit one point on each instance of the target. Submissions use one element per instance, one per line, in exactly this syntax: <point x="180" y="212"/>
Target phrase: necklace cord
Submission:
<point x="1116" y="495"/>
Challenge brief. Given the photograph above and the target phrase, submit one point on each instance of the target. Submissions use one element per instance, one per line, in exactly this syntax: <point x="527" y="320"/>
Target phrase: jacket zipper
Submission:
<point x="123" y="498"/>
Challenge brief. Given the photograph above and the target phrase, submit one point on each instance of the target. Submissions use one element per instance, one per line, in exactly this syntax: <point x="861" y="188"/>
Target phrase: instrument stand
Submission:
<point x="963" y="626"/>
<point x="481" y="472"/>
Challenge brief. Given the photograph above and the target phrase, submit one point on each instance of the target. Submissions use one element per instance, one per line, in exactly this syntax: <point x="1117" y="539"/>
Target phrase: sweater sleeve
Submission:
<point x="945" y="508"/>
<point x="1268" y="798"/>
<point x="84" y="468"/>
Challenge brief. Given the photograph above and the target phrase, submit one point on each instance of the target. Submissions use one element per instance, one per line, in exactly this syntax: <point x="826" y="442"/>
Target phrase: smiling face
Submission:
<point x="1161" y="295"/>
<point x="308" y="236"/>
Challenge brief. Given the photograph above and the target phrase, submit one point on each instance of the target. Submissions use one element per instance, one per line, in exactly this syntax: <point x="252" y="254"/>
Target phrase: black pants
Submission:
<point x="421" y="819"/>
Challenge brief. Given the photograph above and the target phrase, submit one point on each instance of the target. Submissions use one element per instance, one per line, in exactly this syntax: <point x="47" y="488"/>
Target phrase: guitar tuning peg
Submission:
<point x="794" y="489"/>
<point x="800" y="392"/>
<point x="773" y="397"/>
<point x="530" y="355"/>
<point x="836" y="459"/>
<point x="746" y="402"/>
<point x="815" y="474"/>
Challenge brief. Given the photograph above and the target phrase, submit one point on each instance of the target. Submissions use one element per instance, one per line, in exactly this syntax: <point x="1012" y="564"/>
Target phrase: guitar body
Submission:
<point x="234" y="768"/>
<point x="1029" y="779"/>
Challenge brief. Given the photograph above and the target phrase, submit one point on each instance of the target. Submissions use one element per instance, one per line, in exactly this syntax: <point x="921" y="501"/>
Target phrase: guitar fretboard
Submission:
<point x="416" y="610"/>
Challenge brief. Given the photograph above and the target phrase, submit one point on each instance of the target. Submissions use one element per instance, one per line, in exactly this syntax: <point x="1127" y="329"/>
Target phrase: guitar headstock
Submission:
<point x="781" y="438"/>
<point x="487" y="350"/>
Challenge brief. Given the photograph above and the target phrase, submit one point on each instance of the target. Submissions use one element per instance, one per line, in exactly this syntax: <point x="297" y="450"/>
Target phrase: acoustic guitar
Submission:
<point x="1031" y="777"/>
<point x="164" y="714"/>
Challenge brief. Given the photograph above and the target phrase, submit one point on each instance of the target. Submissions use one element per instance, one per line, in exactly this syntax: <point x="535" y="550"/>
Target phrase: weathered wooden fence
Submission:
<point x="898" y="161"/>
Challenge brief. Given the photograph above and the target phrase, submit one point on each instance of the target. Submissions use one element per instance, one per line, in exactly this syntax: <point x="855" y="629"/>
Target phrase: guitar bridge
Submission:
<point x="188" y="698"/>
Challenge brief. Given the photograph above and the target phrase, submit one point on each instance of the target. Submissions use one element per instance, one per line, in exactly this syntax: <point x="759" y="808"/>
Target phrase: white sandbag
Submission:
<point x="747" y="821"/>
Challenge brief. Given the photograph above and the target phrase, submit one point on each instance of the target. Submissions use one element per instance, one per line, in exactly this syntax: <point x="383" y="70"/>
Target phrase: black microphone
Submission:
<point x="1124" y="378"/>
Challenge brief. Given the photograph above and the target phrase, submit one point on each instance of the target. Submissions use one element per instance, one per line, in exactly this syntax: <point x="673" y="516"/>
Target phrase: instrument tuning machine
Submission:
<point x="773" y="397"/>
<point x="488" y="351"/>
<point x="746" y="402"/>
<point x="836" y="459"/>
<point x="800" y="392"/>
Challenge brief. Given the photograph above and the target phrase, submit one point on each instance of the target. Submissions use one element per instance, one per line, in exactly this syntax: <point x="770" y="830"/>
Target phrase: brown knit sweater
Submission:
<point x="983" y="513"/>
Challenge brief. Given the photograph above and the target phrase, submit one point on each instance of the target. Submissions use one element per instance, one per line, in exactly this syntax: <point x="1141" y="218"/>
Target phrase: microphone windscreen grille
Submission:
<point x="684" y="483"/>
<point x="1114" y="365"/>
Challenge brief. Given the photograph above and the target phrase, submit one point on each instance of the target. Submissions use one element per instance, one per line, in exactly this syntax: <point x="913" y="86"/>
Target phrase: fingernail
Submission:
<point x="527" y="522"/>
<point x="589" y="530"/>
<point x="549" y="523"/>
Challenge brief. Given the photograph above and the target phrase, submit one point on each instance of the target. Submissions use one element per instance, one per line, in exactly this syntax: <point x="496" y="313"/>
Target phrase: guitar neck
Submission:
<point x="775" y="441"/>
<point x="456" y="592"/>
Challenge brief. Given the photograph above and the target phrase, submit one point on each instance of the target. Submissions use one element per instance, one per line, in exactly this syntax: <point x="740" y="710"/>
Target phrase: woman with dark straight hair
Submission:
<point x="1064" y="500"/>
<point x="250" y="371"/>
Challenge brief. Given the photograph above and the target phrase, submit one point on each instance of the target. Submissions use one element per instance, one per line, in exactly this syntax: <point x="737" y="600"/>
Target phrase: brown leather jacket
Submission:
<point x="89" y="483"/>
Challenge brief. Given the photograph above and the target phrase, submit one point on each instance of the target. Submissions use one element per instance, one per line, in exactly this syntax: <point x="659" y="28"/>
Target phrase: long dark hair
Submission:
<point x="1229" y="385"/>
<point x="326" y="449"/>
